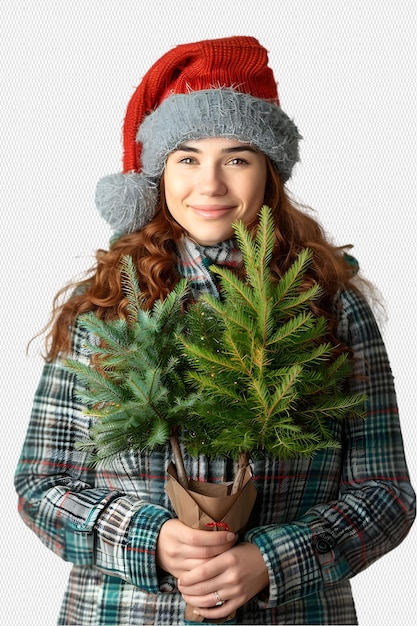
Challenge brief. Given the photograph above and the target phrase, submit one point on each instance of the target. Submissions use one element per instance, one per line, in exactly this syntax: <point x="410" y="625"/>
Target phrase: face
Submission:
<point x="212" y="183"/>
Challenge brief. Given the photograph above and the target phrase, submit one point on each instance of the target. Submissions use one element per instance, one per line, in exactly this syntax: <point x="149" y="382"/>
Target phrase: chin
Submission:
<point x="211" y="240"/>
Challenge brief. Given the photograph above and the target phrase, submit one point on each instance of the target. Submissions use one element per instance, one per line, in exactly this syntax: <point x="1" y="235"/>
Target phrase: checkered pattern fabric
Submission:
<point x="316" y="522"/>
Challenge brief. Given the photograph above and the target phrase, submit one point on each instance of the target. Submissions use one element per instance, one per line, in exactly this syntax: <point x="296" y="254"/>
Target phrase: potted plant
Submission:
<point x="248" y="372"/>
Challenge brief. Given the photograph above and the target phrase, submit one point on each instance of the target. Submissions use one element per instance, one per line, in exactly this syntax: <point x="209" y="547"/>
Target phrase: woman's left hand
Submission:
<point x="231" y="578"/>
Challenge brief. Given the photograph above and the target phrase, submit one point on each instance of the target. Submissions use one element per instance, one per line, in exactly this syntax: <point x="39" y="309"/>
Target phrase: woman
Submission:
<point x="206" y="144"/>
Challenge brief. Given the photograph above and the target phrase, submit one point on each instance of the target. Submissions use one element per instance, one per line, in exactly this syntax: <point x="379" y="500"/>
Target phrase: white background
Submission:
<point x="346" y="73"/>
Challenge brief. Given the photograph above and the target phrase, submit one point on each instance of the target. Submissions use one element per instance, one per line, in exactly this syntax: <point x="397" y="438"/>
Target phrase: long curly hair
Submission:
<point x="153" y="252"/>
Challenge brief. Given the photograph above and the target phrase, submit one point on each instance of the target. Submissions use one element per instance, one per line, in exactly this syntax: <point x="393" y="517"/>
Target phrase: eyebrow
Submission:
<point x="244" y="148"/>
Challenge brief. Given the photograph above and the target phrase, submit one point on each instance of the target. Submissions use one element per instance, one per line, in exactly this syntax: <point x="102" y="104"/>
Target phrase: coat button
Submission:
<point x="324" y="544"/>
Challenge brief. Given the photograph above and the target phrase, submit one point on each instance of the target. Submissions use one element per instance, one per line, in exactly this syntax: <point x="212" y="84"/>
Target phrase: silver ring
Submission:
<point x="219" y="601"/>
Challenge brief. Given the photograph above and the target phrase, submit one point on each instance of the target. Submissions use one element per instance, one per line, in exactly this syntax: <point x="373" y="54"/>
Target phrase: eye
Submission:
<point x="237" y="161"/>
<point x="187" y="160"/>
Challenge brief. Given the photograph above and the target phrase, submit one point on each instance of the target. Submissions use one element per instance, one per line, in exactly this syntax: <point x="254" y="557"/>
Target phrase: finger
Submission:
<point x="195" y="581"/>
<point x="190" y="564"/>
<point x="209" y="538"/>
<point x="224" y="612"/>
<point x="208" y="600"/>
<point x="205" y="545"/>
<point x="181" y="541"/>
<point x="202" y="553"/>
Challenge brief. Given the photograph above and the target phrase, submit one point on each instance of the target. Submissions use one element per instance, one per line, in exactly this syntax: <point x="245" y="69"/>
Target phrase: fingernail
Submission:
<point x="230" y="536"/>
<point x="196" y="612"/>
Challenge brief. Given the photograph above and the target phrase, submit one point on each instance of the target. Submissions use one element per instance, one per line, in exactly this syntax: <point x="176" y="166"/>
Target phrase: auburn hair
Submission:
<point x="153" y="252"/>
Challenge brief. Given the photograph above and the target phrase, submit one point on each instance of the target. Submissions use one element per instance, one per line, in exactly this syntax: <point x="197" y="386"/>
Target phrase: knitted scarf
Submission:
<point x="194" y="261"/>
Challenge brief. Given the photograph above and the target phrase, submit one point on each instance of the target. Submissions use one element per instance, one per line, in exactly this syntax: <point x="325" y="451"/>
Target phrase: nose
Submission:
<point x="211" y="181"/>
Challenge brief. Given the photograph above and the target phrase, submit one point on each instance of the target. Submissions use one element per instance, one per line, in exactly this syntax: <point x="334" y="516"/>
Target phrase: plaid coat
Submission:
<point x="316" y="522"/>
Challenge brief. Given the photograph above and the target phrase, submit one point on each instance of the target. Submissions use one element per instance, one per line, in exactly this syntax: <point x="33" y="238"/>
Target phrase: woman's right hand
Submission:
<point x="181" y="548"/>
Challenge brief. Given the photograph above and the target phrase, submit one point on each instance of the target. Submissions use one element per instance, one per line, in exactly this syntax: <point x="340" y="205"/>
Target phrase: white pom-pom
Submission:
<point x="126" y="201"/>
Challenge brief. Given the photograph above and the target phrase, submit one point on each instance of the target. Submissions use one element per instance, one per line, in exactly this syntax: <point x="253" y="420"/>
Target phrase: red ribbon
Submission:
<point x="218" y="525"/>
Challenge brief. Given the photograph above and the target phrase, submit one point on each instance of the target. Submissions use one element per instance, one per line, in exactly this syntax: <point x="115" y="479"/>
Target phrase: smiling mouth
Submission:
<point x="211" y="210"/>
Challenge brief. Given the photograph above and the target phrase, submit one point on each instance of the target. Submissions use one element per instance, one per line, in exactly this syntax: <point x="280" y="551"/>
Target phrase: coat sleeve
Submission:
<point x="58" y="499"/>
<point x="375" y="508"/>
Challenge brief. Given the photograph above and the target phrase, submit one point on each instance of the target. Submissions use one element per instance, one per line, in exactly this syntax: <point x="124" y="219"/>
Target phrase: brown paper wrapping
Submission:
<point x="210" y="506"/>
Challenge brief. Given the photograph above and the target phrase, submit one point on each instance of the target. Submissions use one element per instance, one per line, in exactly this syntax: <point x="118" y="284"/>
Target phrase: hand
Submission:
<point x="236" y="575"/>
<point x="180" y="548"/>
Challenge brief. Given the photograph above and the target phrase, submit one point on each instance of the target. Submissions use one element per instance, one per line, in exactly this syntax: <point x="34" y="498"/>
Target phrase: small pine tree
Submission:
<point x="265" y="378"/>
<point x="246" y="372"/>
<point x="135" y="390"/>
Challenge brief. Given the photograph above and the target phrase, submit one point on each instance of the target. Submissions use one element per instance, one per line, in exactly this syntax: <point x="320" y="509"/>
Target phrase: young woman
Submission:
<point x="206" y="144"/>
